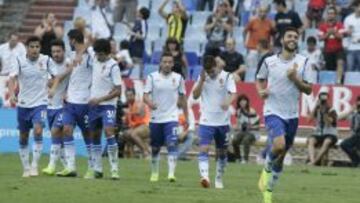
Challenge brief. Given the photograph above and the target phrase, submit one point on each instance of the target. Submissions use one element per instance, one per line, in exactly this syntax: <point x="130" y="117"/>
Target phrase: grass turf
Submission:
<point x="298" y="184"/>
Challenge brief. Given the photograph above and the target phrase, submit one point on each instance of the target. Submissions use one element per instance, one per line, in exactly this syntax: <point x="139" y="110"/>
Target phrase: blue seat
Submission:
<point x="327" y="77"/>
<point x="352" y="78"/>
<point x="245" y="17"/>
<point x="155" y="57"/>
<point x="120" y="31"/>
<point x="189" y="5"/>
<point x="250" y="75"/>
<point x="143" y="3"/>
<point x="194" y="72"/>
<point x="159" y="45"/>
<point x="198" y="18"/>
<point x="192" y="46"/>
<point x="195" y="33"/>
<point x="150" y="68"/>
<point x="192" y="58"/>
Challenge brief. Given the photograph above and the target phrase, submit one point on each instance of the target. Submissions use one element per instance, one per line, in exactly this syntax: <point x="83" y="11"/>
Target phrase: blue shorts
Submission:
<point x="102" y="116"/>
<point x="55" y="118"/>
<point x="218" y="133"/>
<point x="277" y="126"/>
<point x="161" y="132"/>
<point x="28" y="117"/>
<point x="76" y="114"/>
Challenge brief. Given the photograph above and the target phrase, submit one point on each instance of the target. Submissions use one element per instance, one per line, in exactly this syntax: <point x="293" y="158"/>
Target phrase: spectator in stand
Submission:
<point x="258" y="28"/>
<point x="48" y="31"/>
<point x="102" y="24"/>
<point x="176" y="20"/>
<point x="325" y="135"/>
<point x="285" y="18"/>
<point x="234" y="61"/>
<point x="314" y="54"/>
<point x="9" y="51"/>
<point x="332" y="32"/>
<point x="128" y="8"/>
<point x="180" y="62"/>
<point x="80" y="24"/>
<point x="137" y="38"/>
<point x="314" y="13"/>
<point x="201" y="5"/>
<point x="351" y="145"/>
<point x="352" y="26"/>
<point x="218" y="26"/>
<point x="124" y="59"/>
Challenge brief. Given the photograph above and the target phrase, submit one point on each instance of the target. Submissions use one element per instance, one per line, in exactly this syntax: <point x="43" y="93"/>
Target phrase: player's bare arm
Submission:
<point x="199" y="86"/>
<point x="261" y="88"/>
<point x="149" y="102"/>
<point x="115" y="92"/>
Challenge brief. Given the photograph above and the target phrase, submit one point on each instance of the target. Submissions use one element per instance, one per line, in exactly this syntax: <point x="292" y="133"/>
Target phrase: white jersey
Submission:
<point x="57" y="101"/>
<point x="78" y="91"/>
<point x="213" y="96"/>
<point x="165" y="91"/>
<point x="106" y="75"/>
<point x="283" y="99"/>
<point x="33" y="80"/>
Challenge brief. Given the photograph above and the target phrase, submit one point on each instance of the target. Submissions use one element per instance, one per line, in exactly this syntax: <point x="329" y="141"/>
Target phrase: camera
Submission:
<point x="323" y="98"/>
<point x="244" y="126"/>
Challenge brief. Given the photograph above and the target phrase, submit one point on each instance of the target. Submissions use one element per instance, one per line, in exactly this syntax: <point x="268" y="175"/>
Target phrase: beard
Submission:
<point x="290" y="49"/>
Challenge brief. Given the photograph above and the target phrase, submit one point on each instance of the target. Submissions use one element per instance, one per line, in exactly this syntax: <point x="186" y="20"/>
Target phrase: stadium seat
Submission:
<point x="84" y="13"/>
<point x="240" y="47"/>
<point x="149" y="47"/>
<point x="120" y="31"/>
<point x="154" y="32"/>
<point x="238" y="34"/>
<point x="155" y="4"/>
<point x="143" y="3"/>
<point x="352" y="78"/>
<point x="327" y="77"/>
<point x="192" y="58"/>
<point x="156" y="19"/>
<point x="149" y="68"/>
<point x="68" y="25"/>
<point x="189" y="5"/>
<point x="194" y="72"/>
<point x="245" y="17"/>
<point x="198" y="18"/>
<point x="311" y="32"/>
<point x="250" y="75"/>
<point x="155" y="57"/>
<point x="195" y="33"/>
<point x="192" y="46"/>
<point x="159" y="45"/>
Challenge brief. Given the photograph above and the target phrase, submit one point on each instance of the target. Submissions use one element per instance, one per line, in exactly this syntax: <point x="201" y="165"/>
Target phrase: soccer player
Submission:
<point x="105" y="89"/>
<point x="217" y="90"/>
<point x="76" y="109"/>
<point x="164" y="91"/>
<point x="280" y="80"/>
<point x="55" y="107"/>
<point x="31" y="73"/>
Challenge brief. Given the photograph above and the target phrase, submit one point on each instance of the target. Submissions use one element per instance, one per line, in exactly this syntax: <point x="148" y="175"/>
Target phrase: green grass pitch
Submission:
<point x="298" y="184"/>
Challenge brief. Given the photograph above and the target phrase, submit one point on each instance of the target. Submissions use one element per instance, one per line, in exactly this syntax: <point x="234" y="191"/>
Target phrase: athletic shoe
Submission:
<point x="172" y="179"/>
<point x="50" y="171"/>
<point x="205" y="182"/>
<point x="26" y="173"/>
<point x="89" y="174"/>
<point x="98" y="174"/>
<point x="264" y="179"/>
<point x="154" y="177"/>
<point x="115" y="175"/>
<point x="219" y="183"/>
<point x="66" y="173"/>
<point x="34" y="172"/>
<point x="267" y="196"/>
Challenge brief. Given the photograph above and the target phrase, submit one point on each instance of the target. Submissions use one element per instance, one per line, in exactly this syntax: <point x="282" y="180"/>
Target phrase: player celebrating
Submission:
<point x="280" y="80"/>
<point x="76" y="108"/>
<point x="31" y="72"/>
<point x="105" y="88"/>
<point x="163" y="91"/>
<point x="54" y="112"/>
<point x="217" y="90"/>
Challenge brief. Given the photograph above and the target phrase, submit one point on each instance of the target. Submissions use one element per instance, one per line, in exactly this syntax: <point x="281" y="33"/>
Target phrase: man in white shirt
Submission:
<point x="9" y="51"/>
<point x="352" y="26"/>
<point x="217" y="90"/>
<point x="102" y="20"/>
<point x="105" y="89"/>
<point x="76" y="108"/>
<point x="31" y="72"/>
<point x="280" y="80"/>
<point x="55" y="107"/>
<point x="164" y="91"/>
<point x="313" y="53"/>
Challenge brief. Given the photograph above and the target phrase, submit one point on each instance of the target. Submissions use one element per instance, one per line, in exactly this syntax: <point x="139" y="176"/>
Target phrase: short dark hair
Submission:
<point x="332" y="8"/>
<point x="124" y="44"/>
<point x="355" y="3"/>
<point x="243" y="97"/>
<point x="311" y="40"/>
<point x="76" y="35"/>
<point x="32" y="39"/>
<point x="166" y="54"/>
<point x="172" y="40"/>
<point x="145" y="13"/>
<point x="209" y="62"/>
<point x="57" y="42"/>
<point x="102" y="46"/>
<point x="289" y="29"/>
<point x="280" y="3"/>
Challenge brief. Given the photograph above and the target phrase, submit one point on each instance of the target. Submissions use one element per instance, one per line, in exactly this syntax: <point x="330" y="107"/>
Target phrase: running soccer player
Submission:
<point x="76" y="109"/>
<point x="217" y="90"/>
<point x="164" y="91"/>
<point x="31" y="73"/>
<point x="105" y="89"/>
<point x="280" y="80"/>
<point x="55" y="107"/>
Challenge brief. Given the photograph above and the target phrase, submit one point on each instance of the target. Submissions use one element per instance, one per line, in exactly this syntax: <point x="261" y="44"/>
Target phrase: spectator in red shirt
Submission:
<point x="332" y="33"/>
<point x="315" y="12"/>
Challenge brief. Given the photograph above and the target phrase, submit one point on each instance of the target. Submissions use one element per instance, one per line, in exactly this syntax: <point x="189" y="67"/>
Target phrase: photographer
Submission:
<point x="247" y="125"/>
<point x="325" y="131"/>
<point x="351" y="145"/>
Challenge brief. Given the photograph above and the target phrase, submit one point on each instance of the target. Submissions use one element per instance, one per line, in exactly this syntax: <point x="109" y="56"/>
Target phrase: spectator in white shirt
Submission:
<point x="352" y="26"/>
<point x="9" y="51"/>
<point x="313" y="53"/>
<point x="124" y="59"/>
<point x="102" y="24"/>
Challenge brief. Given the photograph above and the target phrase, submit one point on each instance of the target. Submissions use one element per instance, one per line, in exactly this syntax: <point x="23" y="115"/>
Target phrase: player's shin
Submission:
<point x="69" y="151"/>
<point x="37" y="149"/>
<point x="221" y="163"/>
<point x="24" y="153"/>
<point x="112" y="149"/>
<point x="54" y="151"/>
<point x="203" y="159"/>
<point x="155" y="160"/>
<point x="172" y="158"/>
